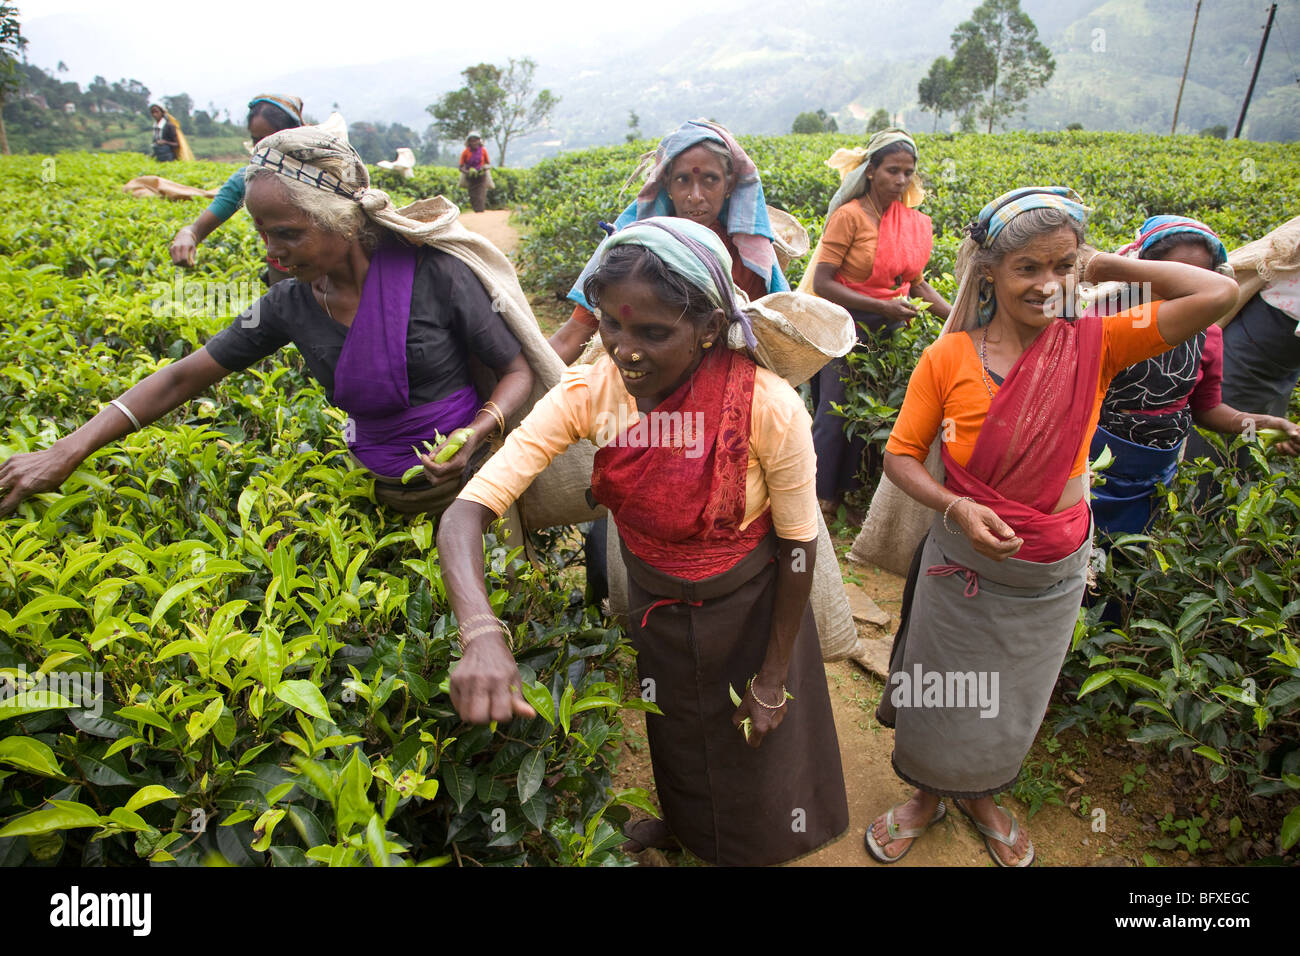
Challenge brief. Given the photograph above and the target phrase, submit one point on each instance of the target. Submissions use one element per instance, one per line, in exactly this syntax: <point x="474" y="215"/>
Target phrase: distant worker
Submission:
<point x="168" y="141"/>
<point x="474" y="172"/>
<point x="267" y="113"/>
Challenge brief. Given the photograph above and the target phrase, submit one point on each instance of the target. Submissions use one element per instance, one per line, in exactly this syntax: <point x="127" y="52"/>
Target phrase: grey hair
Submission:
<point x="329" y="211"/>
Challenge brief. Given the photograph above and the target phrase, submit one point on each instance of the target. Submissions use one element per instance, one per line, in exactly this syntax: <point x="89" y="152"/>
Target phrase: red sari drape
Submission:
<point x="676" y="510"/>
<point x="1035" y="426"/>
<point x="904" y="240"/>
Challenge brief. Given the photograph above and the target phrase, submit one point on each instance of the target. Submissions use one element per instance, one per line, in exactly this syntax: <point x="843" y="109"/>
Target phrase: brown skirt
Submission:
<point x="727" y="802"/>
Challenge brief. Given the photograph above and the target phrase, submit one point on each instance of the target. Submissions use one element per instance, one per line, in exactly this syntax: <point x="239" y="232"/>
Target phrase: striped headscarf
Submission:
<point x="1158" y="228"/>
<point x="993" y="218"/>
<point x="693" y="252"/>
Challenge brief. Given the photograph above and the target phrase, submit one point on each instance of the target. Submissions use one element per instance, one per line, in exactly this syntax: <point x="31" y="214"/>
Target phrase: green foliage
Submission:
<point x="272" y="648"/>
<point x="1200" y="650"/>
<point x="818" y="122"/>
<point x="509" y="186"/>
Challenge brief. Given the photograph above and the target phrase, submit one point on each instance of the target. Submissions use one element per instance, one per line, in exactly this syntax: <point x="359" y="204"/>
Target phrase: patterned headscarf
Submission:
<point x="852" y="164"/>
<point x="290" y="104"/>
<point x="693" y="252"/>
<point x="291" y="152"/>
<point x="743" y="217"/>
<point x="1158" y="228"/>
<point x="993" y="218"/>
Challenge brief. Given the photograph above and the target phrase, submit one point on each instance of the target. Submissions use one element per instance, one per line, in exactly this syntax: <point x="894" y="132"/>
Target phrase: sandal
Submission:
<point x="991" y="834"/>
<point x="878" y="851"/>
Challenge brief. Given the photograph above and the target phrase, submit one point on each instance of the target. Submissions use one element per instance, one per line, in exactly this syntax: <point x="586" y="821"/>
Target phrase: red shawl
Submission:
<point x="1028" y="442"/>
<point x="678" y="513"/>
<point x="904" y="240"/>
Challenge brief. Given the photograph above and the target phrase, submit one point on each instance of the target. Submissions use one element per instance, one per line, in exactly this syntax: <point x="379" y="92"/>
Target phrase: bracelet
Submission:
<point x="480" y="617"/>
<point x="127" y="412"/>
<point x="1087" y="264"/>
<point x="761" y="703"/>
<point x="493" y="409"/>
<point x="949" y="508"/>
<point x="467" y="636"/>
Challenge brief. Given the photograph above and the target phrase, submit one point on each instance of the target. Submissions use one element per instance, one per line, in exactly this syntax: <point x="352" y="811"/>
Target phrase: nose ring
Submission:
<point x="634" y="357"/>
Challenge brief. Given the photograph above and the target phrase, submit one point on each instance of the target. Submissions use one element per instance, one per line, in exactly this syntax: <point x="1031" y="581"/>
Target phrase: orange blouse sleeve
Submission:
<point x="1130" y="337"/>
<point x="843" y="231"/>
<point x="921" y="416"/>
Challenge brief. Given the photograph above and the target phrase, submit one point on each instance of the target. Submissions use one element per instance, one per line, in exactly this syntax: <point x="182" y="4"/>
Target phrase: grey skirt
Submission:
<point x="975" y="662"/>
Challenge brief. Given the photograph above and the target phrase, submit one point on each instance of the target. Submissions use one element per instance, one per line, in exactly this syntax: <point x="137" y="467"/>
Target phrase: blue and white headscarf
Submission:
<point x="743" y="217"/>
<point x="693" y="252"/>
<point x="1159" y="228"/>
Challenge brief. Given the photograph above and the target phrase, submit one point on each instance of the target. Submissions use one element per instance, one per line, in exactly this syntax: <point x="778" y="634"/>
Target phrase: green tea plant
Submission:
<point x="213" y="645"/>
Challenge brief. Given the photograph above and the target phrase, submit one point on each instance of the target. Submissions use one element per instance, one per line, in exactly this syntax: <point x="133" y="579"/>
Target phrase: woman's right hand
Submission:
<point x="485" y="685"/>
<point x="988" y="534"/>
<point x="897" y="310"/>
<point x="30" y="473"/>
<point x="184" y="247"/>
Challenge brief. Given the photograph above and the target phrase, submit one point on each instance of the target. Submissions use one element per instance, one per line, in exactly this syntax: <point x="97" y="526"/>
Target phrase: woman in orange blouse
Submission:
<point x="1012" y="393"/>
<point x="871" y="257"/>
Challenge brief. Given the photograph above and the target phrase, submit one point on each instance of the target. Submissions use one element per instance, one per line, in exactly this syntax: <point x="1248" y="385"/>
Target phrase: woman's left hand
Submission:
<point x="442" y="472"/>
<point x="763" y="719"/>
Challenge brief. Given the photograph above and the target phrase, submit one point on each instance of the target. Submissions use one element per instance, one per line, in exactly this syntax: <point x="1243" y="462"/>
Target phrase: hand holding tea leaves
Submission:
<point x="446" y="461"/>
<point x="753" y="719"/>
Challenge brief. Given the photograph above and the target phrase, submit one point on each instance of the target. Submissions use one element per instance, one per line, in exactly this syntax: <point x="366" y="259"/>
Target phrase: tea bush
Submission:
<point x="272" y="649"/>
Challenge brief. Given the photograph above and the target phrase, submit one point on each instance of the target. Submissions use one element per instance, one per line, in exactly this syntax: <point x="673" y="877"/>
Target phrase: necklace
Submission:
<point x="872" y="202"/>
<point x="325" y="299"/>
<point x="984" y="361"/>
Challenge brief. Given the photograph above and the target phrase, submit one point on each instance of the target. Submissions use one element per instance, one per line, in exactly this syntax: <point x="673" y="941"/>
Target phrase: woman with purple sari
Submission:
<point x="397" y="333"/>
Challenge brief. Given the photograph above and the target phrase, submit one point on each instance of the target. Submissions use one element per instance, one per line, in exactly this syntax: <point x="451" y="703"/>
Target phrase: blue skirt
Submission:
<point x="1123" y="504"/>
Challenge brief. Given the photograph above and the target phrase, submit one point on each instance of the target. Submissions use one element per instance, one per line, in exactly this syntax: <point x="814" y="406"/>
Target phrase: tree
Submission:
<point x="497" y="102"/>
<point x="819" y="122"/>
<point x="880" y="119"/>
<point x="633" y="127"/>
<point x="12" y="43"/>
<point x="179" y="106"/>
<point x="1000" y="59"/>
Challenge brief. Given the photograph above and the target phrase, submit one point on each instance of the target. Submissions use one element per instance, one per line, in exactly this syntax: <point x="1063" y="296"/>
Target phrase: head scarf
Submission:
<point x="852" y="164"/>
<point x="743" y="216"/>
<point x="291" y="153"/>
<point x="693" y="252"/>
<point x="1158" y="228"/>
<point x="975" y="304"/>
<point x="290" y="104"/>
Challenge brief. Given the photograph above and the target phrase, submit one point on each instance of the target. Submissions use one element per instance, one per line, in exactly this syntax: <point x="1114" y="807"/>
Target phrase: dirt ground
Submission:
<point x="1102" y="799"/>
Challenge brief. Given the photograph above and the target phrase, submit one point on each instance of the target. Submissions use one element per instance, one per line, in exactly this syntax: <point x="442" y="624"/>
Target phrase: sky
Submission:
<point x="221" y="52"/>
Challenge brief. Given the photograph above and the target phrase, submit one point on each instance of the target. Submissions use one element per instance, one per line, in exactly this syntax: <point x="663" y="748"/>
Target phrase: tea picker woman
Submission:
<point x="391" y="330"/>
<point x="719" y="547"/>
<point x="1002" y="570"/>
<point x="872" y="255"/>
<point x="475" y="175"/>
<point x="267" y="113"/>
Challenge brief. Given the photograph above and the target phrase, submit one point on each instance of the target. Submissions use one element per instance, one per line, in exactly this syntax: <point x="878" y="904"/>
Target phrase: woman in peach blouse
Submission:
<point x="706" y="467"/>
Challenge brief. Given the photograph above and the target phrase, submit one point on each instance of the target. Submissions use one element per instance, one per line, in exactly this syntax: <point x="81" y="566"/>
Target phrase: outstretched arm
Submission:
<point x="24" y="475"/>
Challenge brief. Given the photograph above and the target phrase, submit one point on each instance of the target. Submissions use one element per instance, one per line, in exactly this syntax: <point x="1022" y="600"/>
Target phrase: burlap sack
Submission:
<point x="895" y="523"/>
<point x="789" y="237"/>
<point x="1258" y="263"/>
<point x="143" y="187"/>
<point x="835" y="628"/>
<point x="558" y="495"/>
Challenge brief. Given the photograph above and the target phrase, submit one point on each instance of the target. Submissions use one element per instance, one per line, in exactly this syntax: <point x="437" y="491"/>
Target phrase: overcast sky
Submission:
<point x="222" y="51"/>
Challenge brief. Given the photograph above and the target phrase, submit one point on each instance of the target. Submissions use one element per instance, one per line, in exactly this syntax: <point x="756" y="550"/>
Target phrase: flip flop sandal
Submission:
<point x="895" y="833"/>
<point x="991" y="834"/>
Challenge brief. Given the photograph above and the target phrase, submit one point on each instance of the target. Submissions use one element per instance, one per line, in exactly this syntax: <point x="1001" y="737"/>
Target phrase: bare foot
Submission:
<point x="648" y="834"/>
<point x="917" y="812"/>
<point x="991" y="815"/>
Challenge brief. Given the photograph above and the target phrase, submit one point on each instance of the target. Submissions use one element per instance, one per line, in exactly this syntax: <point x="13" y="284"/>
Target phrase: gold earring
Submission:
<point x="708" y="345"/>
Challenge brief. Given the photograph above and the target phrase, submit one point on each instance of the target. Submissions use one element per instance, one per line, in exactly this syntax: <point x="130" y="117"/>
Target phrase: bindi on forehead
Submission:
<point x="625" y="311"/>
<point x="695" y="170"/>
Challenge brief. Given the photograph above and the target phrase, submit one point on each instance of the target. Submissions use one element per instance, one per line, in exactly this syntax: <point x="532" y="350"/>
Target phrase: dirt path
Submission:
<point x="1080" y="774"/>
<point x="493" y="225"/>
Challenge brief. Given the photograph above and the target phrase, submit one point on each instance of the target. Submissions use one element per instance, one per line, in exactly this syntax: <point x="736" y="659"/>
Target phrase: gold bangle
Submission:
<point x="467" y="636"/>
<point x="763" y="704"/>
<point x="493" y="409"/>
